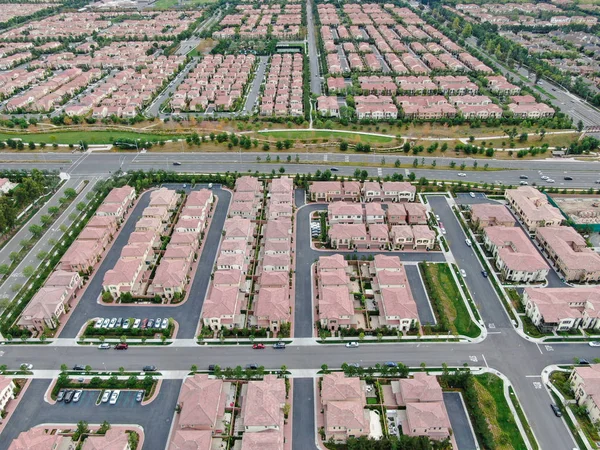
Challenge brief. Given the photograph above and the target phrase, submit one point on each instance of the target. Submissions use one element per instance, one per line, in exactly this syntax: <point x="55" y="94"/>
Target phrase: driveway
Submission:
<point x="188" y="314"/>
<point x="419" y="293"/>
<point x="155" y="418"/>
<point x="461" y="426"/>
<point x="304" y="427"/>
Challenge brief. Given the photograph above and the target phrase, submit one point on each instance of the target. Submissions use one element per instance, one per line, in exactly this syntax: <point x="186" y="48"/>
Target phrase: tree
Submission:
<point x="82" y="428"/>
<point x="580" y="126"/>
<point x="542" y="134"/>
<point x="70" y="193"/>
<point x="28" y="271"/>
<point x="325" y="368"/>
<point x="121" y="370"/>
<point x="46" y="220"/>
<point x="104" y="427"/>
<point x="4" y="268"/>
<point x="53" y="210"/>
<point x="282" y="169"/>
<point x="343" y="146"/>
<point x="64" y="368"/>
<point x="42" y="255"/>
<point x="36" y="230"/>
<point x="80" y="206"/>
<point x="72" y="217"/>
<point x="88" y="368"/>
<point x="361" y="336"/>
<point x="194" y="368"/>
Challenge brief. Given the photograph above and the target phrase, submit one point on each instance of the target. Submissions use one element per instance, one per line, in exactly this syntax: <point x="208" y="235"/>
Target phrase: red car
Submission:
<point x="258" y="346"/>
<point x="121" y="346"/>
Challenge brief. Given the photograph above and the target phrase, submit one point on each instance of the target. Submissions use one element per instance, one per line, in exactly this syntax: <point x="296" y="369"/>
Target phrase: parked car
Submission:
<point x="484" y="273"/>
<point x="523" y="183"/>
<point x="468" y="242"/>
<point x="150" y="323"/>
<point x="584" y="361"/>
<point x="106" y="396"/>
<point x="355" y="365"/>
<point x="126" y="324"/>
<point x="104" y="346"/>
<point x="69" y="396"/>
<point x="26" y="366"/>
<point x="119" y="323"/>
<point x="78" y="367"/>
<point x="252" y="366"/>
<point x="556" y="410"/>
<point x="113" y="322"/>
<point x="164" y="324"/>
<point x="258" y="346"/>
<point x="463" y="273"/>
<point x="139" y="396"/>
<point x="105" y="323"/>
<point x="157" y="322"/>
<point x="114" y="397"/>
<point x="121" y="346"/>
<point x="144" y="324"/>
<point x="594" y="344"/>
<point x="472" y="194"/>
<point x="98" y="323"/>
<point x="211" y="367"/>
<point x="77" y="395"/>
<point x="437" y="217"/>
<point x="390" y="364"/>
<point x="352" y="344"/>
<point x="136" y="323"/>
<point x="149" y="369"/>
<point x="279" y="345"/>
<point x="60" y="396"/>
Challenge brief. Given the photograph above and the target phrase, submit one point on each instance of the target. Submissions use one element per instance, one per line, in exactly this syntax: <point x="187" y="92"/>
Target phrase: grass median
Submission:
<point x="446" y="299"/>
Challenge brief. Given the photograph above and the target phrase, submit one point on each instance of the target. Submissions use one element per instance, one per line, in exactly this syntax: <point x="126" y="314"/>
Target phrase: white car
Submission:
<point x="106" y="396"/>
<point x="114" y="397"/>
<point x="104" y="346"/>
<point x="549" y="180"/>
<point x="113" y="322"/>
<point x="164" y="324"/>
<point x="472" y="194"/>
<point x="98" y="323"/>
<point x="77" y="395"/>
<point x="594" y="344"/>
<point x="461" y="174"/>
<point x="523" y="183"/>
<point x="437" y="217"/>
<point x="545" y="177"/>
<point x="352" y="344"/>
<point x="136" y="323"/>
<point x="468" y="242"/>
<point x="126" y="324"/>
<point x="463" y="273"/>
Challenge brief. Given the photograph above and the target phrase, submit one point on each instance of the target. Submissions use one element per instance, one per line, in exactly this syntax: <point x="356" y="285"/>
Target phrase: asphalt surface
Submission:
<point x="584" y="174"/>
<point x="254" y="92"/>
<point x="188" y="313"/>
<point x="313" y="52"/>
<point x="419" y="293"/>
<point x="155" y="418"/>
<point x="303" y="422"/>
<point x="461" y="426"/>
<point x="53" y="232"/>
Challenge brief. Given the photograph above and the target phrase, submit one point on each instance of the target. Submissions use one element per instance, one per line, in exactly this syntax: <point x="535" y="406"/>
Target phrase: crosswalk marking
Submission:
<point x="324" y="157"/>
<point x="549" y="348"/>
<point x="537" y="385"/>
<point x="379" y="172"/>
<point x="473" y="358"/>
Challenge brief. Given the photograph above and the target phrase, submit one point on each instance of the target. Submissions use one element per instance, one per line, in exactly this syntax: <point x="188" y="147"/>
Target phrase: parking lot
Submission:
<point x="154" y="418"/>
<point x="89" y="398"/>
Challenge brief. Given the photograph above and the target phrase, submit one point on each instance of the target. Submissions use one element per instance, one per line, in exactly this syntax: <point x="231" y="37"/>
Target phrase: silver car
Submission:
<point x="105" y="323"/>
<point x="164" y="324"/>
<point x="112" y="323"/>
<point x="136" y="323"/>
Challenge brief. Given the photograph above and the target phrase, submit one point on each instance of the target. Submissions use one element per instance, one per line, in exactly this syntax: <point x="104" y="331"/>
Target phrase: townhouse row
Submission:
<point x="225" y="306"/>
<point x="282" y="94"/>
<point x="40" y="437"/>
<point x="212" y="410"/>
<point x="60" y="290"/>
<point x="341" y="212"/>
<point x="218" y="81"/>
<point x="335" y="303"/>
<point x="379" y="236"/>
<point x="418" y="400"/>
<point x="369" y="191"/>
<point x="144" y="252"/>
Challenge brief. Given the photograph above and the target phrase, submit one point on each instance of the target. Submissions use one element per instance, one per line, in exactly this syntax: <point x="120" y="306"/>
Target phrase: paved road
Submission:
<point x="459" y="420"/>
<point x="154" y="418"/>
<point x="313" y="52"/>
<point x="186" y="315"/>
<point x="43" y="244"/>
<point x="303" y="422"/>
<point x="419" y="293"/>
<point x="153" y="109"/>
<point x="254" y="92"/>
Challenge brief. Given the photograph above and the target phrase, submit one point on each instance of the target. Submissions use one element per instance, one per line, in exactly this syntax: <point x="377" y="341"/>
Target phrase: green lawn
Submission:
<point x="91" y="137"/>
<point x="490" y="391"/>
<point x="313" y="134"/>
<point x="444" y="287"/>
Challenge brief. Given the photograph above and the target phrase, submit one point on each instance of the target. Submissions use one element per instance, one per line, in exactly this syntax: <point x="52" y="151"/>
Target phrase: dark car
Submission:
<point x="556" y="410"/>
<point x="139" y="396"/>
<point x="119" y="322"/>
<point x="149" y="369"/>
<point x="279" y="345"/>
<point x="390" y="364"/>
<point x="524" y="177"/>
<point x="69" y="396"/>
<point x="78" y="367"/>
<point x="60" y="396"/>
<point x="334" y="169"/>
<point x="121" y="346"/>
<point x="568" y="178"/>
<point x="584" y="361"/>
<point x="252" y="366"/>
<point x="176" y="163"/>
<point x="211" y="367"/>
<point x="484" y="273"/>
